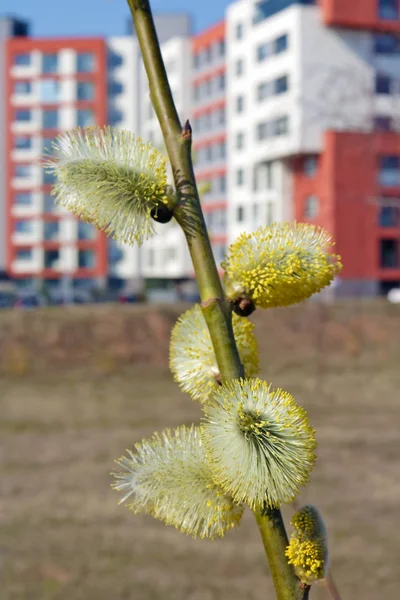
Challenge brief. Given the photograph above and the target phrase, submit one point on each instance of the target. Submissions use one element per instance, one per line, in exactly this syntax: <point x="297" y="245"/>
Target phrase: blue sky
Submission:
<point x="101" y="17"/>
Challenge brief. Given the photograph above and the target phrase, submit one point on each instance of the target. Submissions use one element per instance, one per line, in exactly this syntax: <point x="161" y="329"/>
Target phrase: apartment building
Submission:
<point x="209" y="130"/>
<point x="295" y="110"/>
<point x="313" y="127"/>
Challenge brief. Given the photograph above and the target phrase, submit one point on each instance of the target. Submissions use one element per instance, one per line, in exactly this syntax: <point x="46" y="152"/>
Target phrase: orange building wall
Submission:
<point x="361" y="14"/>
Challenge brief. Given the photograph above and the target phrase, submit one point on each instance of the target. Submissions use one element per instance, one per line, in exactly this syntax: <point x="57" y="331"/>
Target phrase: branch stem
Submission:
<point x="216" y="309"/>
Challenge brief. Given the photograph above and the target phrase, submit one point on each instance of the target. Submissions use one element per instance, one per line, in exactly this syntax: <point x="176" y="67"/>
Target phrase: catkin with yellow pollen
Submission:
<point x="280" y="264"/>
<point x="168" y="477"/>
<point x="110" y="178"/>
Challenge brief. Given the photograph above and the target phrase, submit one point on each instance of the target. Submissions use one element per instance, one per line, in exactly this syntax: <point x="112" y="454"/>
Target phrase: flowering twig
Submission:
<point x="216" y="309"/>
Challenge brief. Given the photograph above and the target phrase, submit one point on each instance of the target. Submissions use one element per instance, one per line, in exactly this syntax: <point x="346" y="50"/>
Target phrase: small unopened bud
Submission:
<point x="161" y="213"/>
<point x="243" y="307"/>
<point x="308" y="547"/>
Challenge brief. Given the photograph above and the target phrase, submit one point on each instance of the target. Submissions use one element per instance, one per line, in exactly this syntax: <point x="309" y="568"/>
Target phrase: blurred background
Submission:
<point x="295" y="110"/>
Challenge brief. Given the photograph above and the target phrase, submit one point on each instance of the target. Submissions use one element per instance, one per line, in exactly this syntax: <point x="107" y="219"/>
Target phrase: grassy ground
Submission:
<point x="63" y="536"/>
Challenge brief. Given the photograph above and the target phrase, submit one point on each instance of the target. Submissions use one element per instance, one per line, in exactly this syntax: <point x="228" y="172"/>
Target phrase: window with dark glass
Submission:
<point x="239" y="104"/>
<point x="85" y="62"/>
<point x="389" y="216"/>
<point x="239" y="140"/>
<point x="383" y="84"/>
<point x="51" y="230"/>
<point x="49" y="63"/>
<point x="310" y="166"/>
<point x="240" y="214"/>
<point x="264" y="90"/>
<point x="23" y="198"/>
<point x="239" y="177"/>
<point x="22" y="142"/>
<point x="387" y="43"/>
<point x="49" y="177"/>
<point x="221" y="47"/>
<point x="281" y="125"/>
<point x="281" y="84"/>
<point x="85" y="89"/>
<point x="221" y="81"/>
<point x="281" y="44"/>
<point x="22" y="87"/>
<point x="383" y="123"/>
<point x="86" y="259"/>
<point x="389" y="171"/>
<point x="23" y="171"/>
<point x="239" y="67"/>
<point x="50" y="258"/>
<point x="263" y="51"/>
<point x="388" y="10"/>
<point x="239" y="31"/>
<point x="50" y="119"/>
<point x="23" y="226"/>
<point x="24" y="254"/>
<point x="389" y="253"/>
<point x="86" y="231"/>
<point x="23" y="115"/>
<point x="22" y="60"/>
<point x="48" y="204"/>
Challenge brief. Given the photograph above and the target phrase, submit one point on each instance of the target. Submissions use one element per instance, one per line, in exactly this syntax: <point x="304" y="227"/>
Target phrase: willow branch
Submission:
<point x="216" y="309"/>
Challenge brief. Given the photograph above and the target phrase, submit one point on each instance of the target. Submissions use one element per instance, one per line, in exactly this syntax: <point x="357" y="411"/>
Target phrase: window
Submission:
<point x="310" y="166"/>
<point x="221" y="82"/>
<point x="382" y="123"/>
<point x="281" y="85"/>
<point x="115" y="116"/>
<point x="389" y="216"/>
<point x="50" y="119"/>
<point x="48" y="145"/>
<point x="114" y="60"/>
<point x="311" y="207"/>
<point x="264" y="90"/>
<point x="388" y="10"/>
<point x="263" y="51"/>
<point x="222" y="183"/>
<point x="22" y="142"/>
<point x="86" y="231"/>
<point x="263" y="130"/>
<point x="23" y="226"/>
<point x="49" y="63"/>
<point x="49" y="90"/>
<point x="51" y="257"/>
<point x="23" y="116"/>
<point x="263" y="176"/>
<point x="85" y="90"/>
<point x="22" y="87"/>
<point x="239" y="177"/>
<point x="207" y="87"/>
<point x="239" y="31"/>
<point x="240" y="214"/>
<point x="196" y="61"/>
<point x="389" y="171"/>
<point x="222" y="150"/>
<point x="387" y="43"/>
<point x="49" y="177"/>
<point x="239" y="67"/>
<point x="24" y="254"/>
<point x="23" y="199"/>
<point x="281" y="125"/>
<point x="85" y="117"/>
<point x="239" y="140"/>
<point x="208" y="55"/>
<point x="383" y="84"/>
<point x="86" y="259"/>
<point x="48" y="204"/>
<point x="239" y="104"/>
<point x="22" y="60"/>
<point x="220" y="114"/>
<point x="389" y="253"/>
<point x="23" y="171"/>
<point x="85" y="62"/>
<point x="209" y="152"/>
<point x="281" y="44"/>
<point x="114" y="89"/>
<point x="221" y="48"/>
<point x="51" y="230"/>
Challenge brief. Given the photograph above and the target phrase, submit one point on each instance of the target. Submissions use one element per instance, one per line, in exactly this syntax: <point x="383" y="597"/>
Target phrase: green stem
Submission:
<point x="188" y="213"/>
<point x="275" y="540"/>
